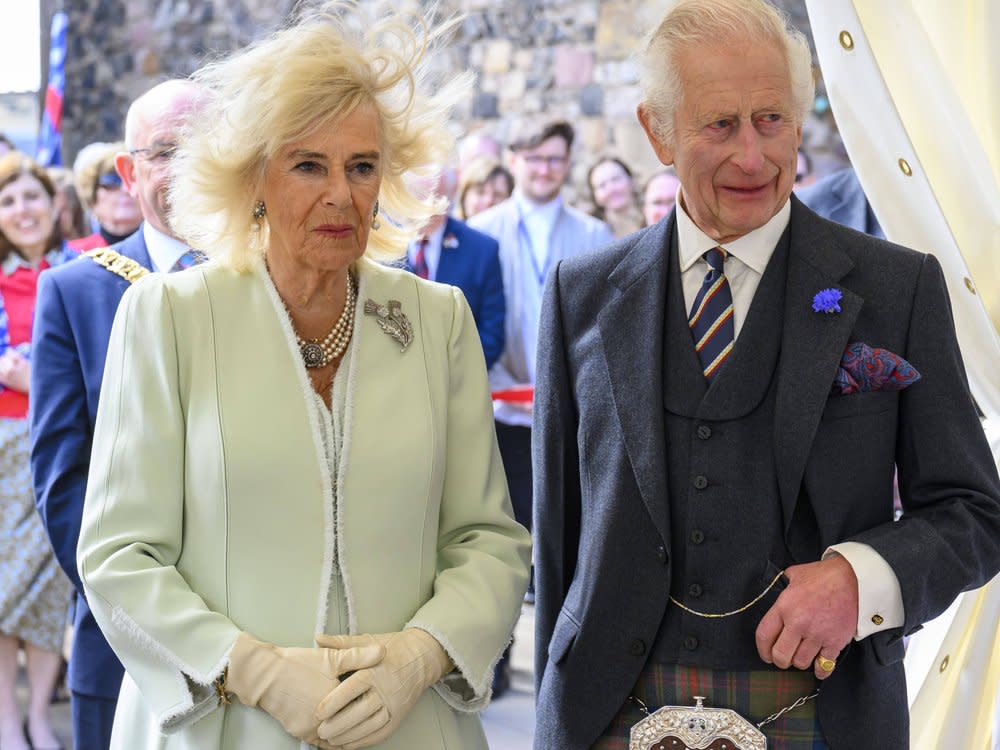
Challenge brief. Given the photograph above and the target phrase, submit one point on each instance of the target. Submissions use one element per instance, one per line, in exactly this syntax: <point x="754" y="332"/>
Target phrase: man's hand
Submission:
<point x="816" y="615"/>
<point x="15" y="371"/>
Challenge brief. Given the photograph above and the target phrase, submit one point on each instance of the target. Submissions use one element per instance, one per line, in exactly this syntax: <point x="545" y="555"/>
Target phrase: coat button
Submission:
<point x="690" y="643"/>
<point x="694" y="590"/>
<point x="697" y="536"/>
<point x="661" y="553"/>
<point x="704" y="432"/>
<point x="700" y="482"/>
<point x="638" y="647"/>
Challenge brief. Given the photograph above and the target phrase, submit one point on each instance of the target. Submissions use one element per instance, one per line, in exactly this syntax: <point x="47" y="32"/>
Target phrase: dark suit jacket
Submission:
<point x="839" y="197"/>
<point x="74" y="311"/>
<point x="474" y="267"/>
<point x="602" y="549"/>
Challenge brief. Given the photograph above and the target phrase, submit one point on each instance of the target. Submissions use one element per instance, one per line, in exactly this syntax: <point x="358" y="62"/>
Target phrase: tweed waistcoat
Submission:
<point x="726" y="525"/>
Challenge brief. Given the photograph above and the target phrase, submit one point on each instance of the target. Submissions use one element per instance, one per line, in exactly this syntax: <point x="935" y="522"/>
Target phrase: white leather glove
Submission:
<point x="289" y="682"/>
<point x="368" y="706"/>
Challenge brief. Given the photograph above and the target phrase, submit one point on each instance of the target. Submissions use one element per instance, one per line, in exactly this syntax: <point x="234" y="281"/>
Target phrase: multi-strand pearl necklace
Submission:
<point x="320" y="353"/>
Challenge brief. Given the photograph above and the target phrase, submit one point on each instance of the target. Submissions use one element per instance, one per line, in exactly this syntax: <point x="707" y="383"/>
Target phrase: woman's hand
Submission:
<point x="15" y="371"/>
<point x="288" y="683"/>
<point x="368" y="706"/>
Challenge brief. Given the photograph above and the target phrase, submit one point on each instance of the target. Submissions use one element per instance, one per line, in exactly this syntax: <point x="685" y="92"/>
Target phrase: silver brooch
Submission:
<point x="391" y="320"/>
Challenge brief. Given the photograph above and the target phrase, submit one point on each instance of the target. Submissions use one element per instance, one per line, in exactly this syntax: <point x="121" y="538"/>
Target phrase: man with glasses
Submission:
<point x="535" y="229"/>
<point x="73" y="318"/>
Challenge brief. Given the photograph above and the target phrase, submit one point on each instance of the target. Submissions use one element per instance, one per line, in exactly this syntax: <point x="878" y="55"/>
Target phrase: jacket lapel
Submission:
<point x="631" y="327"/>
<point x="812" y="346"/>
<point x="450" y="257"/>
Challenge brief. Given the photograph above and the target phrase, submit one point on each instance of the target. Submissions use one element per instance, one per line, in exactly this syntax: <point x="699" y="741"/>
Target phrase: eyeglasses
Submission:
<point x="109" y="181"/>
<point x="158" y="153"/>
<point x="537" y="160"/>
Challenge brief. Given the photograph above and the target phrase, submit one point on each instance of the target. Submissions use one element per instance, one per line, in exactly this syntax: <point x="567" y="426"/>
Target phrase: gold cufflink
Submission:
<point x="877" y="619"/>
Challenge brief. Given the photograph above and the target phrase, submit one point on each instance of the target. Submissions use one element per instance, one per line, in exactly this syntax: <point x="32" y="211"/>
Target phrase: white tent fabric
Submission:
<point x="915" y="88"/>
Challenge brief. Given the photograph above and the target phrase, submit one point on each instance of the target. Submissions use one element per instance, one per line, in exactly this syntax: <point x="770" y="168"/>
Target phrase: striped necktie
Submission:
<point x="190" y="258"/>
<point x="420" y="259"/>
<point x="711" y="319"/>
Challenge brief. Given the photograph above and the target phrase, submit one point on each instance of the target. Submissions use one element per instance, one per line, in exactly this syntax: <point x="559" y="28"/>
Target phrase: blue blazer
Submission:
<point x="473" y="265"/>
<point x="74" y="311"/>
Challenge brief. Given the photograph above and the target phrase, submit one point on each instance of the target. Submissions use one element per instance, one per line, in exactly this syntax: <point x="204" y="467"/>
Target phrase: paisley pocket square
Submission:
<point x="864" y="369"/>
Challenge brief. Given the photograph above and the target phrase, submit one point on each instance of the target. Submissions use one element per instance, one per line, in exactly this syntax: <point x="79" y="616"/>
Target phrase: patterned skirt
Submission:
<point x="753" y="695"/>
<point x="34" y="591"/>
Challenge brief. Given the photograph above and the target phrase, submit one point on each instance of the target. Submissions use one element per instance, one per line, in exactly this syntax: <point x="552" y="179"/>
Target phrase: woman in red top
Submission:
<point x="34" y="591"/>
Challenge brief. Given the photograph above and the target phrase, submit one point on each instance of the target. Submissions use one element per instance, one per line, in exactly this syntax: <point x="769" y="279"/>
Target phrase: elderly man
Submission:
<point x="73" y="318"/>
<point x="722" y="401"/>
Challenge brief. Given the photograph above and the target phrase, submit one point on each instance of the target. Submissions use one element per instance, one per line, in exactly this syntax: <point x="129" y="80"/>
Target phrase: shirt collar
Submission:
<point x="543" y="212"/>
<point x="164" y="251"/>
<point x="434" y="240"/>
<point x="15" y="261"/>
<point x="754" y="249"/>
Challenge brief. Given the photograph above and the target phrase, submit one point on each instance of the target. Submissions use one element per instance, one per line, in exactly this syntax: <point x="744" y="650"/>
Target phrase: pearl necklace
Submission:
<point x="321" y="352"/>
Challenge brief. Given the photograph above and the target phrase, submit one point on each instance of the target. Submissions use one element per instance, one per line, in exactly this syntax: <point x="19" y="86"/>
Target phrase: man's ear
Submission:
<point x="125" y="167"/>
<point x="664" y="152"/>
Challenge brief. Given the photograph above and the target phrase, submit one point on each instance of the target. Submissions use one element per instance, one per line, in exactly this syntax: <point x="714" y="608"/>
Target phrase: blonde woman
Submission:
<point x="295" y="440"/>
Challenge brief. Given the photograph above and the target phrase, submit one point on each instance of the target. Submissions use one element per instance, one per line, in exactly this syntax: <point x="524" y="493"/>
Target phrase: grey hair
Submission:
<point x="693" y="23"/>
<point x="312" y="74"/>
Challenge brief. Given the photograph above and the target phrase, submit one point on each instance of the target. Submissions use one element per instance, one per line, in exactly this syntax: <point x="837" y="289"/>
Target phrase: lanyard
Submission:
<point x="524" y="239"/>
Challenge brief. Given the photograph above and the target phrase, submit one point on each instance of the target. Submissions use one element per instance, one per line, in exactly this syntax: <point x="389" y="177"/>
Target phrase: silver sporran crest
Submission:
<point x="695" y="728"/>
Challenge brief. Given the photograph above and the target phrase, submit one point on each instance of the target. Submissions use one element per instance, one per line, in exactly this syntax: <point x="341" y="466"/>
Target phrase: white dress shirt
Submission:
<point x="879" y="594"/>
<point x="164" y="251"/>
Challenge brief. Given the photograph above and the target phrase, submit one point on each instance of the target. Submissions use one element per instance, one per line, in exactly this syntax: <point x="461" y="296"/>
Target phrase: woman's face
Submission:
<point x="612" y="186"/>
<point x="320" y="193"/>
<point x="115" y="209"/>
<point x="486" y="195"/>
<point x="26" y="216"/>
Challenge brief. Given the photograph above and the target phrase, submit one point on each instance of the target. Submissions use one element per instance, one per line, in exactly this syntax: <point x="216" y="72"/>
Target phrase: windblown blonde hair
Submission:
<point x="312" y="74"/>
<point x="701" y="23"/>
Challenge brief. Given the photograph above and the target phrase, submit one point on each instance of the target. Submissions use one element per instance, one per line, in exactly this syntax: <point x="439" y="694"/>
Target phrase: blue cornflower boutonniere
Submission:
<point x="450" y="241"/>
<point x="827" y="301"/>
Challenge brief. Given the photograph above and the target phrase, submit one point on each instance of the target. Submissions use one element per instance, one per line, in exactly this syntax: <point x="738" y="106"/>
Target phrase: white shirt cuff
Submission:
<point x="880" y="600"/>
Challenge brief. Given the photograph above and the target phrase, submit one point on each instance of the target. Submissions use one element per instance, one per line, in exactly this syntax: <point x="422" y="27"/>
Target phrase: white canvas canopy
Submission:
<point x="915" y="88"/>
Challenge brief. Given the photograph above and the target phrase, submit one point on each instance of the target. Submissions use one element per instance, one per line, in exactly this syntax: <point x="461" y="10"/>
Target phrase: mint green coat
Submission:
<point x="210" y="508"/>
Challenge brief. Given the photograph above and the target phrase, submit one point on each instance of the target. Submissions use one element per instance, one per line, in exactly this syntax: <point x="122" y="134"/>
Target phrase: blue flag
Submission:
<point x="50" y="136"/>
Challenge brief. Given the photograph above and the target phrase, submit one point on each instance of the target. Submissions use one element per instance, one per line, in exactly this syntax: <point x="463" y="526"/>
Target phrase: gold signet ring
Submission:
<point x="824" y="664"/>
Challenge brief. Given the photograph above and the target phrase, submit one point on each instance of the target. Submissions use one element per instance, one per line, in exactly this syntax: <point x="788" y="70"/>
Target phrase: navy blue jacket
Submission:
<point x="74" y="311"/>
<point x="473" y="265"/>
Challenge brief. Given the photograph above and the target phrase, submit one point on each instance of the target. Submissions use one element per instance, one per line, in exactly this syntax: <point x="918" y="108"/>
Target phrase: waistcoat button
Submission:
<point x="690" y="643"/>
<point x="700" y="482"/>
<point x="704" y="432"/>
<point x="694" y="590"/>
<point x="697" y="536"/>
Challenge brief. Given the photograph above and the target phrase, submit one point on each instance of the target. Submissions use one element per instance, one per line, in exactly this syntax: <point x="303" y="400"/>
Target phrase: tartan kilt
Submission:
<point x="753" y="695"/>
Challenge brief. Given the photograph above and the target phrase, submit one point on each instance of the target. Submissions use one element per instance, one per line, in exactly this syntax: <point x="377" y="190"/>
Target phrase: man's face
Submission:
<point x="736" y="137"/>
<point x="541" y="171"/>
<point x="146" y="171"/>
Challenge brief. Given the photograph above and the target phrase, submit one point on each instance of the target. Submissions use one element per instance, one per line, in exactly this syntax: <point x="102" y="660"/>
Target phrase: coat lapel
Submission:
<point x="811" y="348"/>
<point x="631" y="327"/>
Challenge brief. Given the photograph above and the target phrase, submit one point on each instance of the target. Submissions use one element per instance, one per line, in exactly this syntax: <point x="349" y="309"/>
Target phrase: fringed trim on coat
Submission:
<point x="457" y="697"/>
<point x="202" y="698"/>
<point x="332" y="533"/>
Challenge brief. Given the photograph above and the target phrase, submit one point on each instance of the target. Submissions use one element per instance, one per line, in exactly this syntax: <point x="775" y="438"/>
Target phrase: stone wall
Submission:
<point x="533" y="58"/>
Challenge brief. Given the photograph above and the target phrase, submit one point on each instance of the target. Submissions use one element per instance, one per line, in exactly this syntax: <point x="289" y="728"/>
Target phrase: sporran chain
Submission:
<point x="770" y="719"/>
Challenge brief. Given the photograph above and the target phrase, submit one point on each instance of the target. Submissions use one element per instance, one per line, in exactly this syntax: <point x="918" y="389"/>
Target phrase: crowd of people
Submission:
<point x="305" y="379"/>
